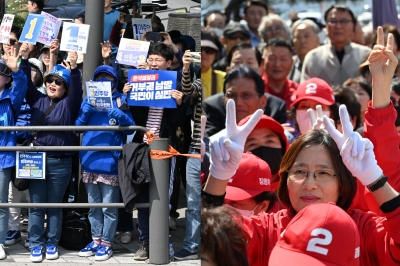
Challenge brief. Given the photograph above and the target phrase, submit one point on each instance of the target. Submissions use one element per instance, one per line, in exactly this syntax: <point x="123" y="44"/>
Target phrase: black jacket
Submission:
<point x="133" y="171"/>
<point x="214" y="109"/>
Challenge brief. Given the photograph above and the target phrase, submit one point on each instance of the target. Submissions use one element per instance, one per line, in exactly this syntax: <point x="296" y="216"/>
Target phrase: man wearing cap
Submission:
<point x="320" y="234"/>
<point x="11" y="98"/>
<point x="253" y="13"/>
<point x="277" y="63"/>
<point x="338" y="60"/>
<point x="234" y="33"/>
<point x="213" y="80"/>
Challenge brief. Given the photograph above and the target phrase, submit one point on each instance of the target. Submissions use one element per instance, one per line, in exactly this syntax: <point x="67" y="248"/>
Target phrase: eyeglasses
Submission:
<point x="244" y="96"/>
<point x="158" y="61"/>
<point x="208" y="50"/>
<point x="321" y="176"/>
<point x="274" y="30"/>
<point x="56" y="80"/>
<point x="238" y="36"/>
<point x="101" y="76"/>
<point x="341" y="22"/>
<point x="12" y="41"/>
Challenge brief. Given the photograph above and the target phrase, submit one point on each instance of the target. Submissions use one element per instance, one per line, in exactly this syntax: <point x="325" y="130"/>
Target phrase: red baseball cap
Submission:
<point x="251" y="178"/>
<point x="314" y="89"/>
<point x="320" y="234"/>
<point x="270" y="123"/>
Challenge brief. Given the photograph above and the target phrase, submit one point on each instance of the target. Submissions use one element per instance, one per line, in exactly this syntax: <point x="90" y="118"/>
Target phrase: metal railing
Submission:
<point x="158" y="187"/>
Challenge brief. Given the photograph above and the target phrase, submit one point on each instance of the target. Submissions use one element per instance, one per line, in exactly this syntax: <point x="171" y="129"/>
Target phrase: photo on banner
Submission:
<point x="5" y="28"/>
<point x="151" y="88"/>
<point x="140" y="26"/>
<point x="74" y="37"/>
<point x="99" y="94"/>
<point x="132" y="52"/>
<point x="30" y="32"/>
<point x="50" y="28"/>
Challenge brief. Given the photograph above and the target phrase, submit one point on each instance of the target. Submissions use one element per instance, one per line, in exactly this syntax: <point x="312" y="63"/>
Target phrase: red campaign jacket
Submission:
<point x="287" y="93"/>
<point x="380" y="237"/>
<point x="379" y="127"/>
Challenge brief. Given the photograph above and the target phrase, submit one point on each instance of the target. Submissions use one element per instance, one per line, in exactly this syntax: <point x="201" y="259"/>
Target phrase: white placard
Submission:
<point x="50" y="29"/>
<point x="5" y="27"/>
<point x="74" y="37"/>
<point x="99" y="94"/>
<point x="140" y="26"/>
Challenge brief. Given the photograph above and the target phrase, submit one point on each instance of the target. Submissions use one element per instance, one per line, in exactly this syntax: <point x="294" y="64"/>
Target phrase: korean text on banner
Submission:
<point x="151" y="88"/>
<point x="132" y="52"/>
<point x="31" y="165"/>
<point x="99" y="94"/>
<point x="5" y="27"/>
<point x="50" y="29"/>
<point x="140" y="26"/>
<point x="74" y="37"/>
<point x="31" y="30"/>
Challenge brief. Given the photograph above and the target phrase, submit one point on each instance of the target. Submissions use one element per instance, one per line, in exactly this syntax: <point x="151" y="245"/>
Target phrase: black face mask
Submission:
<point x="272" y="156"/>
<point x="397" y="123"/>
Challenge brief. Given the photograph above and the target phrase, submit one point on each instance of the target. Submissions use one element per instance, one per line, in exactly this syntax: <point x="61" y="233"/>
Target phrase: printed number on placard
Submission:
<point x="312" y="244"/>
<point x="29" y="35"/>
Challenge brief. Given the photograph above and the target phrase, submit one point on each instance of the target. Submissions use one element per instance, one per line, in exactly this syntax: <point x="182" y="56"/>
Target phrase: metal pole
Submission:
<point x="94" y="16"/>
<point x="159" y="210"/>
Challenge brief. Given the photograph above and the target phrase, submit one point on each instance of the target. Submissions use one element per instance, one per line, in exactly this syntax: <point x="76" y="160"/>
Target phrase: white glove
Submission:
<point x="357" y="152"/>
<point x="317" y="123"/>
<point x="203" y="127"/>
<point x="226" y="151"/>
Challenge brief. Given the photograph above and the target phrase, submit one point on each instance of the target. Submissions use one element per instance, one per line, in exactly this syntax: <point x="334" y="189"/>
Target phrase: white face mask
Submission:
<point x="303" y="119"/>
<point x="246" y="213"/>
<point x="218" y="31"/>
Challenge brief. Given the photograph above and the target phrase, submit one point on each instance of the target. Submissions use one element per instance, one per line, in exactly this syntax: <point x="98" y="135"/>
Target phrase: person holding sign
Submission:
<point x="11" y="98"/>
<point x="100" y="168"/>
<point x="64" y="92"/>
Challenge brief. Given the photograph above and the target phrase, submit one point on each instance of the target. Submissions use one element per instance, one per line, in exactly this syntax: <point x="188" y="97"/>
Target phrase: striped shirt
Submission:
<point x="194" y="90"/>
<point x="154" y="121"/>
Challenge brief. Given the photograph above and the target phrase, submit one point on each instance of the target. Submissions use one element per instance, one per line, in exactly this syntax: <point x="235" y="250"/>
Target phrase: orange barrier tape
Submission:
<point x="159" y="154"/>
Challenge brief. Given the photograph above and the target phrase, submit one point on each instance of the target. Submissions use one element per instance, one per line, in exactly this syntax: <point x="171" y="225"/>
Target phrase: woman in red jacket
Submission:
<point x="319" y="167"/>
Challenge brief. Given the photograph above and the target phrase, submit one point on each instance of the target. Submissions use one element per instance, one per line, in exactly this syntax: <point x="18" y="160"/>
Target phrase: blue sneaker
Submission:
<point x="89" y="250"/>
<point x="12" y="237"/>
<point x="37" y="254"/>
<point x="104" y="253"/>
<point x="51" y="252"/>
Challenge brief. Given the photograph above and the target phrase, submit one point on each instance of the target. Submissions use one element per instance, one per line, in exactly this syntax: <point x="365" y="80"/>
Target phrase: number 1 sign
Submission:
<point x="31" y="30"/>
<point x="74" y="37"/>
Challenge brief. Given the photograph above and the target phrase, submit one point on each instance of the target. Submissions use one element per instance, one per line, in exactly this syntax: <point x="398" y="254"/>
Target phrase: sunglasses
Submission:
<point x="208" y="50"/>
<point x="237" y="36"/>
<point x="12" y="41"/>
<point x="57" y="81"/>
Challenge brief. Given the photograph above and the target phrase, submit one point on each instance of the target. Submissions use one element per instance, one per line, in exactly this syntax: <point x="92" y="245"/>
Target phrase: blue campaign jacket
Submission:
<point x="102" y="162"/>
<point x="10" y="105"/>
<point x="64" y="114"/>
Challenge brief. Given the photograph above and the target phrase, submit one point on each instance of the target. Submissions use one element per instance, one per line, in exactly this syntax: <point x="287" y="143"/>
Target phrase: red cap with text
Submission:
<point x="320" y="234"/>
<point x="251" y="178"/>
<point x="314" y="89"/>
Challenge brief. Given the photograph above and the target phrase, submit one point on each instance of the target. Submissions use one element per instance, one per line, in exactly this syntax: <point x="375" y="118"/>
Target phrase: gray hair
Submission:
<point x="308" y="22"/>
<point x="268" y="19"/>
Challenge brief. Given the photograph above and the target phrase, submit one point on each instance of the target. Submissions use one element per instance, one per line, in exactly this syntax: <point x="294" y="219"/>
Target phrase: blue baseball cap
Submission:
<point x="61" y="72"/>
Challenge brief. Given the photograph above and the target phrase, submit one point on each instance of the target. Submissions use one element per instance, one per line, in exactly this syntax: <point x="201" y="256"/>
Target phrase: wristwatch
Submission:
<point x="378" y="184"/>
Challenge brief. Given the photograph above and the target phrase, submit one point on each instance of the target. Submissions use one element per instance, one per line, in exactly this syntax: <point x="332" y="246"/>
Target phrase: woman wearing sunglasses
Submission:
<point x="13" y="40"/>
<point x="64" y="88"/>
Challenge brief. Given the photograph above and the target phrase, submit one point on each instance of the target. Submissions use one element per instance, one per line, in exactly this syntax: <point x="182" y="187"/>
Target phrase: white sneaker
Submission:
<point x="126" y="237"/>
<point x="3" y="254"/>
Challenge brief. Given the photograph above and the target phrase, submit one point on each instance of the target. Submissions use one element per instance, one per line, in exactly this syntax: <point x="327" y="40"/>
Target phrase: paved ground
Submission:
<point x="123" y="253"/>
